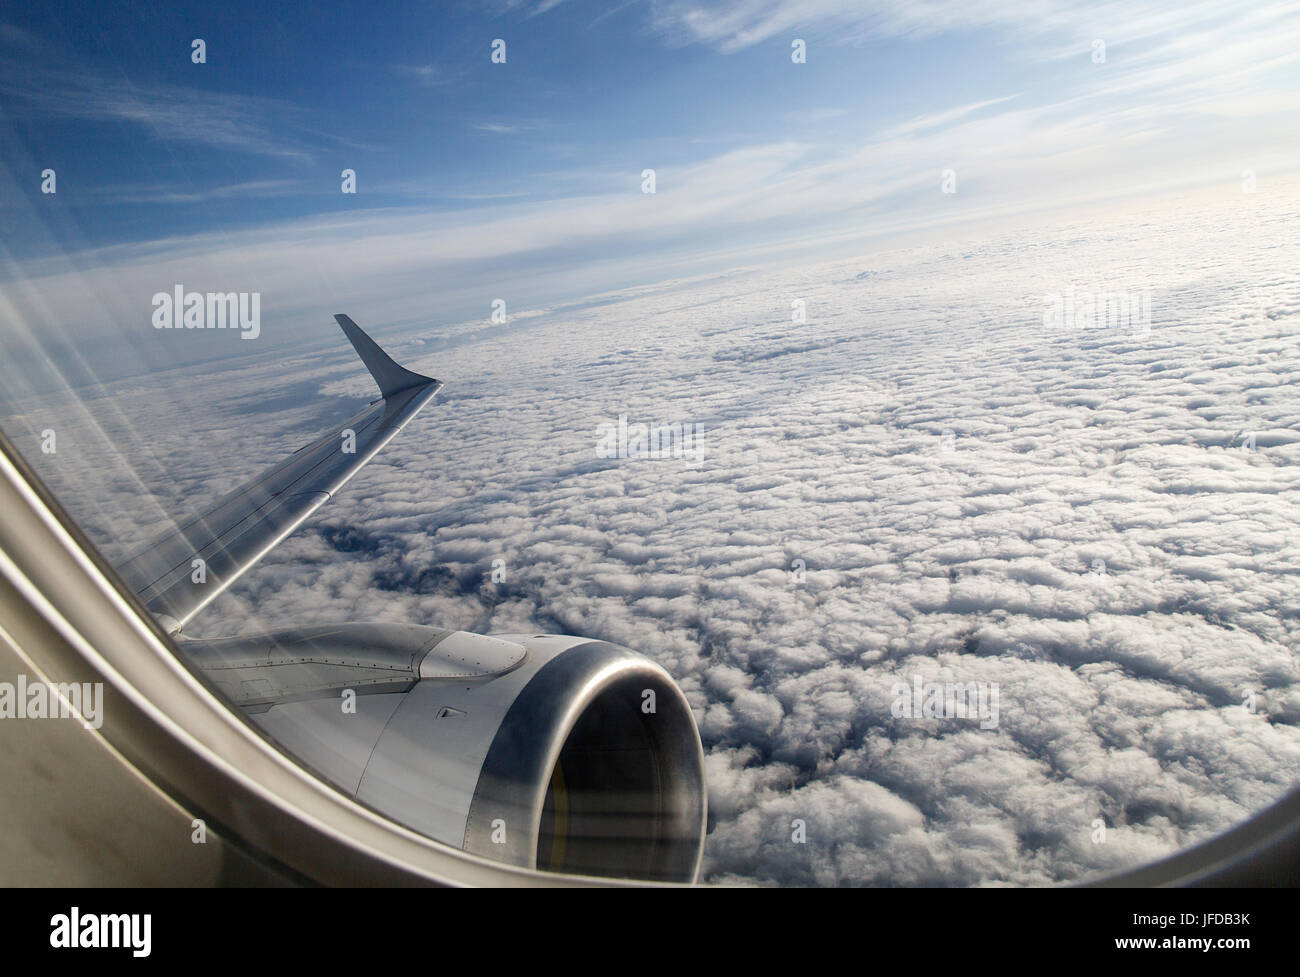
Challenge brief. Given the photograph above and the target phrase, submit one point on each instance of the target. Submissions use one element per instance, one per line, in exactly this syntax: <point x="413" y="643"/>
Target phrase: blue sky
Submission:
<point x="412" y="102"/>
<point x="523" y="179"/>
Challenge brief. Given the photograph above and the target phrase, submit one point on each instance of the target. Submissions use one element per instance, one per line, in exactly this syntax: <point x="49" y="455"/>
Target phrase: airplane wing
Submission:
<point x="240" y="528"/>
<point x="587" y="750"/>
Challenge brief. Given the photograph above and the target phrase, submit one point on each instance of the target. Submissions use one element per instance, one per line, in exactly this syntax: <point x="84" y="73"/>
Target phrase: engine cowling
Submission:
<point x="546" y="751"/>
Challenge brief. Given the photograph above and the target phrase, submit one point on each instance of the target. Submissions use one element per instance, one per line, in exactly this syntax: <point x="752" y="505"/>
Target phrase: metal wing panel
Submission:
<point x="240" y="528"/>
<point x="259" y="671"/>
<point x="262" y="670"/>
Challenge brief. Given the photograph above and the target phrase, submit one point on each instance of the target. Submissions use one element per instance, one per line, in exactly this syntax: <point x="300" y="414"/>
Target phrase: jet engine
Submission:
<point x="546" y="751"/>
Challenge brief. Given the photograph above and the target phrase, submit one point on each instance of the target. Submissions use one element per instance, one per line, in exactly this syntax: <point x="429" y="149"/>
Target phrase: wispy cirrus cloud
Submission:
<point x="936" y="120"/>
<point x="55" y="88"/>
<point x="1190" y="56"/>
<point x="734" y="26"/>
<point x="503" y="128"/>
<point x="155" y="194"/>
<point x="431" y="75"/>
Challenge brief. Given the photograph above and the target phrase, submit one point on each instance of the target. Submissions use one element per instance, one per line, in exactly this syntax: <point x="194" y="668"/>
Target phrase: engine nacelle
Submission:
<point x="550" y="752"/>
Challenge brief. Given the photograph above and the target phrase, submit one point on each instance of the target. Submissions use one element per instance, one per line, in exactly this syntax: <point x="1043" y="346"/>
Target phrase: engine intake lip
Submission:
<point x="663" y="836"/>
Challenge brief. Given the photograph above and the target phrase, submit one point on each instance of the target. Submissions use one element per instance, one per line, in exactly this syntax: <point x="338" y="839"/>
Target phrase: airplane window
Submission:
<point x="744" y="503"/>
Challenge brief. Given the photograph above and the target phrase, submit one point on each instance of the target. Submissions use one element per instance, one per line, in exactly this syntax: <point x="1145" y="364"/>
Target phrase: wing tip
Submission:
<point x="391" y="377"/>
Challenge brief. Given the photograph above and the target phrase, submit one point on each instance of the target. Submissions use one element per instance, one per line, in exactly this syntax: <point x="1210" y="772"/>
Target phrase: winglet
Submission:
<point x="390" y="377"/>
